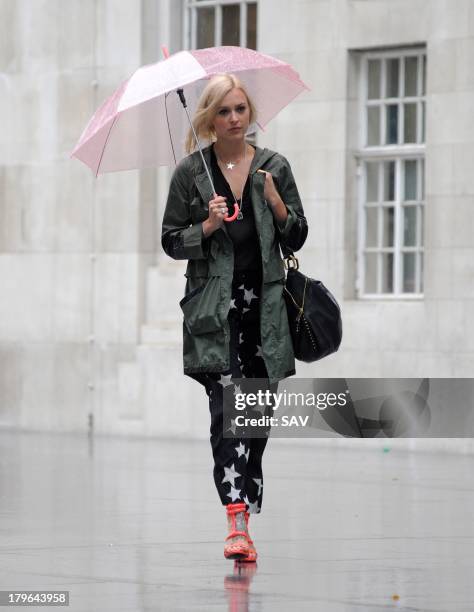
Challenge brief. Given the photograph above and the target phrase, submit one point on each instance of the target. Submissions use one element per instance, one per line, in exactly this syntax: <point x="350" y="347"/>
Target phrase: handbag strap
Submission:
<point x="291" y="262"/>
<point x="289" y="257"/>
<point x="286" y="251"/>
<point x="300" y="308"/>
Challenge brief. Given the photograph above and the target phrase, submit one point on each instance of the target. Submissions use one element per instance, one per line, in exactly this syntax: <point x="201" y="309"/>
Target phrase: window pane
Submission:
<point x="409" y="225"/>
<point x="205" y="28"/>
<point x="373" y="125"/>
<point x="423" y="81"/>
<point x="409" y="272"/>
<point x="374" y="79"/>
<point x="391" y="136"/>
<point x="422" y="225"/>
<point x="420" y="264"/>
<point x="410" y="123"/>
<point x="422" y="179"/>
<point x="252" y="26"/>
<point x="388" y="216"/>
<point x="410" y="180"/>
<point x="372" y="170"/>
<point x="370" y="273"/>
<point x="231" y="25"/>
<point x="387" y="273"/>
<point x="423" y="111"/>
<point x="389" y="181"/>
<point x="371" y="216"/>
<point x="411" y="67"/>
<point x="392" y="77"/>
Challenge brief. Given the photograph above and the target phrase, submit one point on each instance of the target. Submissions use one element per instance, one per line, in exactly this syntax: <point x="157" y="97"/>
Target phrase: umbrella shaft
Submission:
<point x="197" y="142"/>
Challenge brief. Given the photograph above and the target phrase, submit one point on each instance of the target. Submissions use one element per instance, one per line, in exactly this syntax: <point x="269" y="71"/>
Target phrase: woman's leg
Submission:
<point x="237" y="468"/>
<point x="230" y="454"/>
<point x="230" y="457"/>
<point x="253" y="366"/>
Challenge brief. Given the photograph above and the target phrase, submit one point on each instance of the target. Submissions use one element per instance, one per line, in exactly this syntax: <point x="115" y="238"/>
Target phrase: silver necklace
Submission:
<point x="240" y="214"/>
<point x="231" y="165"/>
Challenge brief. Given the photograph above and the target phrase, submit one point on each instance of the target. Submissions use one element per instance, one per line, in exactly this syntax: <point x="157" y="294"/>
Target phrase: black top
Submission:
<point x="242" y="232"/>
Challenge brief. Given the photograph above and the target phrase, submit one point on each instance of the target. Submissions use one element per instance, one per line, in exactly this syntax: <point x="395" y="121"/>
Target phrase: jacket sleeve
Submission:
<point x="294" y="231"/>
<point x="179" y="238"/>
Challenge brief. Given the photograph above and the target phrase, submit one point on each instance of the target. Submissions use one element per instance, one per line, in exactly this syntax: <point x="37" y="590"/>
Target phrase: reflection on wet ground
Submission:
<point x="132" y="524"/>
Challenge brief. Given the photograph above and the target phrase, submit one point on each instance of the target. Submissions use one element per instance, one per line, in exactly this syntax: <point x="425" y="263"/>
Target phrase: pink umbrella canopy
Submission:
<point x="143" y="123"/>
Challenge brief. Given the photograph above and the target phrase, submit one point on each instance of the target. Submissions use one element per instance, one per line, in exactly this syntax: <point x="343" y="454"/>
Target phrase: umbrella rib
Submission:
<point x="105" y="144"/>
<point x="169" y="129"/>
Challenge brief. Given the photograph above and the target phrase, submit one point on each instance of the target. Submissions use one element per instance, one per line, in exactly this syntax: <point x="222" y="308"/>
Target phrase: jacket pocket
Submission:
<point x="201" y="307"/>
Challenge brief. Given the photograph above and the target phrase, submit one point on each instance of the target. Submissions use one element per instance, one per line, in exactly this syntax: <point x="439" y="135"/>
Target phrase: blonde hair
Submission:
<point x="213" y="94"/>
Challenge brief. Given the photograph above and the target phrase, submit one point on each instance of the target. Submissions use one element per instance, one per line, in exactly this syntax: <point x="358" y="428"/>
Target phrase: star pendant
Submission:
<point x="230" y="165"/>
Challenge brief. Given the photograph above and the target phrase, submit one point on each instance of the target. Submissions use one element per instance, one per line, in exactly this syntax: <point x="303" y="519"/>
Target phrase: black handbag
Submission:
<point x="314" y="316"/>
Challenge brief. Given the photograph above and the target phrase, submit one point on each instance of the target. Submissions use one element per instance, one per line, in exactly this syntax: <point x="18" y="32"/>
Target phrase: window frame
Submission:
<point x="190" y="20"/>
<point x="397" y="153"/>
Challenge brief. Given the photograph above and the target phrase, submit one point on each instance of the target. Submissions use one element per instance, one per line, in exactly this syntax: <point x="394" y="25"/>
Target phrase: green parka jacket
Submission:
<point x="211" y="263"/>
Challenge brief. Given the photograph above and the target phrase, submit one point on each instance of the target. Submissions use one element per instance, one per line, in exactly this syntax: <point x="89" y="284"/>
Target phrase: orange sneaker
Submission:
<point x="252" y="554"/>
<point x="237" y="546"/>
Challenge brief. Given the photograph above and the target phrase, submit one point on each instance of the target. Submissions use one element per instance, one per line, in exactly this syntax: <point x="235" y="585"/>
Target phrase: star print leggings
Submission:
<point x="238" y="461"/>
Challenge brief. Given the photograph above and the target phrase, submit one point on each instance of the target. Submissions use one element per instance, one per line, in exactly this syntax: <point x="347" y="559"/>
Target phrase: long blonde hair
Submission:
<point x="211" y="97"/>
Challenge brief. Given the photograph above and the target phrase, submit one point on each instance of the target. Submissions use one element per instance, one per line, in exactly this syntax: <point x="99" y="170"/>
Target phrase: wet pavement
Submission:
<point x="135" y="524"/>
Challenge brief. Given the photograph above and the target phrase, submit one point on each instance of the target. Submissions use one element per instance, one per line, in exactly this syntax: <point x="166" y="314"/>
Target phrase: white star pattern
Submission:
<point x="249" y="295"/>
<point x="234" y="494"/>
<point x="253" y="508"/>
<point x="247" y="454"/>
<point x="241" y="287"/>
<point x="232" y="303"/>
<point x="237" y="389"/>
<point x="225" y="380"/>
<point x="230" y="475"/>
<point x="259" y="351"/>
<point x="258" y="482"/>
<point x="244" y="310"/>
<point x="241" y="339"/>
<point x="240" y="449"/>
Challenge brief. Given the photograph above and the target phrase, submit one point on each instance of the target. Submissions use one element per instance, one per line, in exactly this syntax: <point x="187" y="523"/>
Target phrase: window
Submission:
<point x="211" y="23"/>
<point x="392" y="174"/>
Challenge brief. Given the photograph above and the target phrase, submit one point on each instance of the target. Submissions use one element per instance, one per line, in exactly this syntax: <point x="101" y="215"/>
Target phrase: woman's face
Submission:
<point x="233" y="116"/>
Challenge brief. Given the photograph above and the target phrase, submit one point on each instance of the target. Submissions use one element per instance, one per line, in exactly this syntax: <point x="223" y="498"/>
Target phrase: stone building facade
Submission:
<point x="381" y="148"/>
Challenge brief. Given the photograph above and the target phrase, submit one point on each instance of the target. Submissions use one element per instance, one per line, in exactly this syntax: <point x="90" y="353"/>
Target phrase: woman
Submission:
<point x="235" y="322"/>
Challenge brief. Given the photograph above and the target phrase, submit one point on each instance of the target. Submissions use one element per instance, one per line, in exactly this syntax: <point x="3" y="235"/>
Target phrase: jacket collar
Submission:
<point x="200" y="175"/>
<point x="261" y="156"/>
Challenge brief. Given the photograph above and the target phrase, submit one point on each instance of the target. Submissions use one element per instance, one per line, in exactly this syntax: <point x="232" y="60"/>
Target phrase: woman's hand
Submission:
<point x="217" y="213"/>
<point x="271" y="195"/>
<point x="270" y="191"/>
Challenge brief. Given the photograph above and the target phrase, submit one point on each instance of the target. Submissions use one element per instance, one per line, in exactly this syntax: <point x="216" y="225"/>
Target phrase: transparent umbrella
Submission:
<point x="142" y="124"/>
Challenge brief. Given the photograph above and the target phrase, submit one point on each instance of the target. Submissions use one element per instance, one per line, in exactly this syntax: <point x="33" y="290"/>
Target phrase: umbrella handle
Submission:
<point x="236" y="212"/>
